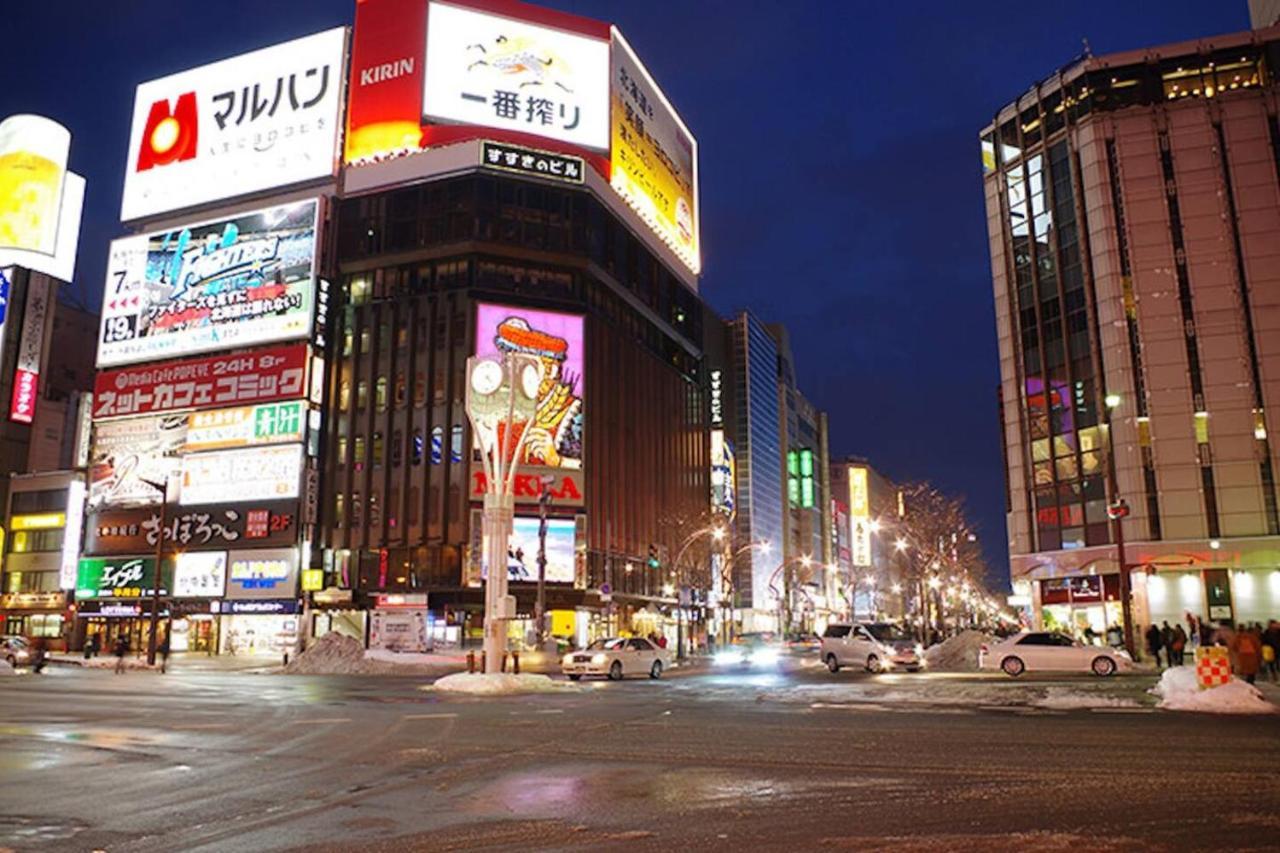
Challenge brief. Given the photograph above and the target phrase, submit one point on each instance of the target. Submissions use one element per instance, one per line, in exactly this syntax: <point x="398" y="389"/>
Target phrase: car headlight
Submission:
<point x="599" y="657"/>
<point x="728" y="658"/>
<point x="568" y="659"/>
<point x="919" y="651"/>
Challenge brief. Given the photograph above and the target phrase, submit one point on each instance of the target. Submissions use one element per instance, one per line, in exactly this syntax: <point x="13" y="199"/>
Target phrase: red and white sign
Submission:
<point x="566" y="487"/>
<point x="22" y="407"/>
<point x="254" y="122"/>
<point x="262" y="376"/>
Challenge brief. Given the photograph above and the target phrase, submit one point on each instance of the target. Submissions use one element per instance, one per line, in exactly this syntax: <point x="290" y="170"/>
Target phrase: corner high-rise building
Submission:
<point x="1133" y="208"/>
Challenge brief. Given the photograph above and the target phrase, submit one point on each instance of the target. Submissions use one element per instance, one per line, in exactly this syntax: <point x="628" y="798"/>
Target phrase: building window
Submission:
<point x="359" y="448"/>
<point x="401" y="390"/>
<point x="397" y="448"/>
<point x="362" y="395"/>
<point x="344" y="396"/>
<point x="437" y="445"/>
<point x="339" y="510"/>
<point x="377" y="458"/>
<point x="380" y="393"/>
<point x="418" y="447"/>
<point x="455" y="445"/>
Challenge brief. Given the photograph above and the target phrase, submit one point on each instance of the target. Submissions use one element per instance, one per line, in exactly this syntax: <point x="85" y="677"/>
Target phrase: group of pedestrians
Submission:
<point x="121" y="649"/>
<point x="1254" y="649"/>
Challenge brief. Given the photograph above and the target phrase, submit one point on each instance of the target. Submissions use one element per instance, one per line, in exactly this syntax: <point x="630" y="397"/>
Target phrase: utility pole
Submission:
<point x="1117" y="513"/>
<point x="163" y="488"/>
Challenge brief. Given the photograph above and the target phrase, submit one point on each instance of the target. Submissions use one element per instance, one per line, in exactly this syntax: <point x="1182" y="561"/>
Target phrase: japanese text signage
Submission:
<point x="22" y="407"/>
<point x="245" y="280"/>
<point x="125" y="577"/>
<point x="248" y="426"/>
<point x="206" y="528"/>
<point x="654" y="157"/>
<point x="265" y="473"/>
<point x="859" y="517"/>
<point x="225" y="380"/>
<point x="501" y="72"/>
<point x="254" y="122"/>
<point x="527" y="161"/>
<point x="262" y="573"/>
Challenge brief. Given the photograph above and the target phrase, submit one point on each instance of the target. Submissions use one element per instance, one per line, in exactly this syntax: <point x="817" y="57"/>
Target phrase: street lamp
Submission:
<point x="717" y="533"/>
<point x="1117" y="512"/>
<point x="502" y="398"/>
<point x="162" y="487"/>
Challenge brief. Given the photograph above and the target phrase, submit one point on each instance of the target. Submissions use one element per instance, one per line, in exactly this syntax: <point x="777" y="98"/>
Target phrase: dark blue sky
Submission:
<point x="840" y="178"/>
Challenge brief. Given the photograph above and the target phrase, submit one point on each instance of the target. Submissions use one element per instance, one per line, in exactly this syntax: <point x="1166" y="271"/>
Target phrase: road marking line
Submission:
<point x="550" y="711"/>
<point x="1122" y="710"/>
<point x="203" y="726"/>
<point x="316" y="720"/>
<point x="429" y="716"/>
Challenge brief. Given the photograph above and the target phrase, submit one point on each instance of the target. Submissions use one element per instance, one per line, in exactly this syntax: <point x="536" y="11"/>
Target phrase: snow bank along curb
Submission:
<point x="1005" y="695"/>
<point x="1178" y="691"/>
<point x="480" y="684"/>
<point x="956" y="654"/>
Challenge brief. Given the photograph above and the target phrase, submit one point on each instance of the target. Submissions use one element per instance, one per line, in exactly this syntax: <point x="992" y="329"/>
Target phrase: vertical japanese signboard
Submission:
<point x="26" y="376"/>
<point x="654" y="157"/>
<point x="859" y="517"/>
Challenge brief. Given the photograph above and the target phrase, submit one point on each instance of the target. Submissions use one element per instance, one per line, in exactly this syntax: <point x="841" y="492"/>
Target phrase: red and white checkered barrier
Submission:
<point x="1213" y="667"/>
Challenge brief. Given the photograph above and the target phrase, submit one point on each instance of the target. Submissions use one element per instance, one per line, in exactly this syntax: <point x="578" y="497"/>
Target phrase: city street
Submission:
<point x="785" y="760"/>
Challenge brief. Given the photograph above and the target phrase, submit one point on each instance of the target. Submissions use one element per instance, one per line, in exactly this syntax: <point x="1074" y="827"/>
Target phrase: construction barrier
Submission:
<point x="1213" y="666"/>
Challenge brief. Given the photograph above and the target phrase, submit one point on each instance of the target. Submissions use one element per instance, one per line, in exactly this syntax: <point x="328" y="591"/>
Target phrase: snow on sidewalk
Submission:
<point x="501" y="683"/>
<point x="950" y="694"/>
<point x="1179" y="691"/>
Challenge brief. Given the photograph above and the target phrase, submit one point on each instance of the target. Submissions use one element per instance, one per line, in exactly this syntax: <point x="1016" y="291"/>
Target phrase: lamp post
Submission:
<point x="163" y="488"/>
<point x="1117" y="513"/>
<point x="502" y="396"/>
<point x="540" y="611"/>
<point x="717" y="533"/>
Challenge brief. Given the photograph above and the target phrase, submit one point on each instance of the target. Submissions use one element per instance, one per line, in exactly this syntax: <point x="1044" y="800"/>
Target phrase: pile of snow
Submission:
<point x="5" y="669"/>
<point x="1179" y="691"/>
<point x="956" y="654"/>
<point x="482" y="684"/>
<point x="334" y="654"/>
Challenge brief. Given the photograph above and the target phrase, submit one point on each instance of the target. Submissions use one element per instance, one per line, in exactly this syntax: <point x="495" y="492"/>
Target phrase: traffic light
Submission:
<point x="653" y="560"/>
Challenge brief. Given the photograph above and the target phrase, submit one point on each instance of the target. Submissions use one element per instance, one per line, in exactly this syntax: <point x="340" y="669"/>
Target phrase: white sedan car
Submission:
<point x="1044" y="651"/>
<point x="616" y="657"/>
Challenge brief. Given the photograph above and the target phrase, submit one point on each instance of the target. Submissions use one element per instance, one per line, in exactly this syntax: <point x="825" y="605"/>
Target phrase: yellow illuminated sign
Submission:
<point x="312" y="580"/>
<point x="563" y="623"/>
<point x="43" y="521"/>
<point x="859" y="503"/>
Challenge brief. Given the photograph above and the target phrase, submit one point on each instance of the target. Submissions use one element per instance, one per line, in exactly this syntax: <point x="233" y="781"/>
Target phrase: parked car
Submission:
<point x="14" y="649"/>
<point x="874" y="646"/>
<point x="616" y="658"/>
<point x="755" y="650"/>
<point x="1048" y="651"/>
<point x="808" y="642"/>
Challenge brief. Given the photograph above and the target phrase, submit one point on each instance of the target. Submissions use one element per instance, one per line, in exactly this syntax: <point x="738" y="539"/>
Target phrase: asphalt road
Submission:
<point x="233" y="761"/>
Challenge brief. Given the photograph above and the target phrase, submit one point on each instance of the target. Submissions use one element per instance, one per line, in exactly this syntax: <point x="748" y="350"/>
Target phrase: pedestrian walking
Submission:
<point x="1154" y="643"/>
<point x="1271" y="649"/>
<point x="120" y="649"/>
<point x="1246" y="648"/>
<point x="164" y="655"/>
<point x="39" y="655"/>
<point x="1166" y="640"/>
<point x="1178" y="646"/>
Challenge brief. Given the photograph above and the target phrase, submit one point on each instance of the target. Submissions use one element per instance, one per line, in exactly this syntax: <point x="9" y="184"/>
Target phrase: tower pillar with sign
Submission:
<point x="502" y="397"/>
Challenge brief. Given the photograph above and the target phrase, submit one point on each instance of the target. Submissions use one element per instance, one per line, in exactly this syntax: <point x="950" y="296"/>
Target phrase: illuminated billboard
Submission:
<point x="554" y="438"/>
<point x="248" y="279"/>
<point x="859" y="517"/>
<point x="254" y="122"/>
<point x="126" y="456"/>
<point x="40" y="201"/>
<point x="33" y="171"/>
<point x="247" y="426"/>
<point x="496" y="71"/>
<point x="421" y="70"/>
<point x="522" y="553"/>
<point x="26" y="374"/>
<point x="199" y="574"/>
<point x="262" y="573"/>
<point x="654" y="157"/>
<point x="261" y="376"/>
<point x="255" y="474"/>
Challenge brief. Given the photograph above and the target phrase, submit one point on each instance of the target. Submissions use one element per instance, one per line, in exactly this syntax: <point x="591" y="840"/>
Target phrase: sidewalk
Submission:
<point x="178" y="662"/>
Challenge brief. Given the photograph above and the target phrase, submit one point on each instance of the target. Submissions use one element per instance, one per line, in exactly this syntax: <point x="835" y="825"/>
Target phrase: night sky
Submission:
<point x="840" y="176"/>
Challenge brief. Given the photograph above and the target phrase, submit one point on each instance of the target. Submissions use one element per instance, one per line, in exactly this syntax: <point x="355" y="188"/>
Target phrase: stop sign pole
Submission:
<point x="1117" y="512"/>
